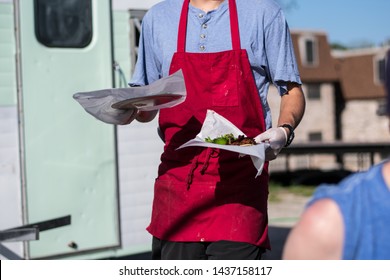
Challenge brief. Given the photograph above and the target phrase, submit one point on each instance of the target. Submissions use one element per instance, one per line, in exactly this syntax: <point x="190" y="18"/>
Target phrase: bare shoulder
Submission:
<point x="318" y="234"/>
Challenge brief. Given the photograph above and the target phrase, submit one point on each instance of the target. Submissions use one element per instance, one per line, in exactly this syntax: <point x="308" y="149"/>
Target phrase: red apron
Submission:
<point x="204" y="194"/>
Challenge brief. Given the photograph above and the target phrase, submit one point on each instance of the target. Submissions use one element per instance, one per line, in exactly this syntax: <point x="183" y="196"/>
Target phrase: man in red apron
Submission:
<point x="208" y="203"/>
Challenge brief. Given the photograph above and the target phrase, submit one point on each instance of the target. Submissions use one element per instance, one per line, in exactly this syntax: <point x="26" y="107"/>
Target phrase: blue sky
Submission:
<point x="349" y="22"/>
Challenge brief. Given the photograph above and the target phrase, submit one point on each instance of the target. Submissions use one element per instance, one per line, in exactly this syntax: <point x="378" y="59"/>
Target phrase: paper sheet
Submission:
<point x="98" y="103"/>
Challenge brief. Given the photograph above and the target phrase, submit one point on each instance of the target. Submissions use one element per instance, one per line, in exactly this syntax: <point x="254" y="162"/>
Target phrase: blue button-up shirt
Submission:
<point x="264" y="34"/>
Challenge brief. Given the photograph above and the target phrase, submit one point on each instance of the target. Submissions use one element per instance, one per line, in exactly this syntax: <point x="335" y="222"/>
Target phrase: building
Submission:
<point x="345" y="98"/>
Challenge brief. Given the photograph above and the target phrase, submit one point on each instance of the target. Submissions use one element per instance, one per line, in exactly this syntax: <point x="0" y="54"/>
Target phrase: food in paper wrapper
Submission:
<point x="229" y="139"/>
<point x="215" y="126"/>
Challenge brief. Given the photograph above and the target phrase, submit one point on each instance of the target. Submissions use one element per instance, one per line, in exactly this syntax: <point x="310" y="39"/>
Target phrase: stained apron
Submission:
<point x="204" y="194"/>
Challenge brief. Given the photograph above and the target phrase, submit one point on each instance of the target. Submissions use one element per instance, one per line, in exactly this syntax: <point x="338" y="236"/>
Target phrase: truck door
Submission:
<point x="69" y="158"/>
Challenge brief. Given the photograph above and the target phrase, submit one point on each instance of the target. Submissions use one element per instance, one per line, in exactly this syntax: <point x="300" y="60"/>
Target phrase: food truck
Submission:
<point x="84" y="186"/>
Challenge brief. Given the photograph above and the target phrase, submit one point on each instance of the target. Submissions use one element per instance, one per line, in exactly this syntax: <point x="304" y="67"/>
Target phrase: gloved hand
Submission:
<point x="277" y="139"/>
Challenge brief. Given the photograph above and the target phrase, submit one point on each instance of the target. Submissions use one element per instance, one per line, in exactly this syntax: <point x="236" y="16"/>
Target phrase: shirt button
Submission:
<point x="204" y="25"/>
<point x="202" y="48"/>
<point x="200" y="15"/>
<point x="202" y="36"/>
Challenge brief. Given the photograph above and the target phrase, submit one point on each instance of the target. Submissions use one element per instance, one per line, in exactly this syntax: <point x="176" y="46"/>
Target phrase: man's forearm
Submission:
<point x="292" y="106"/>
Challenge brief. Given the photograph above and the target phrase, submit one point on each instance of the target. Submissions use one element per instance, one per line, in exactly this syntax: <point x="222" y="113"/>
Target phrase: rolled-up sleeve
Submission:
<point x="282" y="66"/>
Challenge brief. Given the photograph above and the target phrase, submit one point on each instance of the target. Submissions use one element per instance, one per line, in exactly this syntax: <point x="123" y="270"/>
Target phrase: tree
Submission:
<point x="338" y="46"/>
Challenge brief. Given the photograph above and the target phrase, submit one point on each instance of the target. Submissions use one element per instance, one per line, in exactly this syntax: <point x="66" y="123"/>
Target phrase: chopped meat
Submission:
<point x="243" y="141"/>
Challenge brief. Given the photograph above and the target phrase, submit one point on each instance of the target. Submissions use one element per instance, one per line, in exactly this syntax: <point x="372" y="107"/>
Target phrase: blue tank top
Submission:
<point x="364" y="201"/>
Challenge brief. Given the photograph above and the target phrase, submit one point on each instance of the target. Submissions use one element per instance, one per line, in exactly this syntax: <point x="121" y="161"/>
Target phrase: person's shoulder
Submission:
<point x="318" y="213"/>
<point x="315" y="219"/>
<point x="272" y="4"/>
<point x="261" y="6"/>
<point x="264" y="11"/>
<point x="163" y="8"/>
<point x="318" y="234"/>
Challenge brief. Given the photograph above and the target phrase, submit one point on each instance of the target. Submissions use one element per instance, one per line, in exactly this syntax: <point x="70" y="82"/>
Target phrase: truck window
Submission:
<point x="63" y="24"/>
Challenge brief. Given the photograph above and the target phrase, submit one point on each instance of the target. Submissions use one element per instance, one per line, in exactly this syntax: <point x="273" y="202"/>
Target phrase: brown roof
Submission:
<point x="354" y="69"/>
<point x="357" y="75"/>
<point x="325" y="70"/>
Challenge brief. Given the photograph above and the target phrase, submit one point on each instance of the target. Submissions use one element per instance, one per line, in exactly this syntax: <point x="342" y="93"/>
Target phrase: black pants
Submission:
<point x="219" y="250"/>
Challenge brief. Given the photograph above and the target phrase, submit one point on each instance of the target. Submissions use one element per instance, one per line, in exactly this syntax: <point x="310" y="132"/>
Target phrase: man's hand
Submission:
<point x="277" y="139"/>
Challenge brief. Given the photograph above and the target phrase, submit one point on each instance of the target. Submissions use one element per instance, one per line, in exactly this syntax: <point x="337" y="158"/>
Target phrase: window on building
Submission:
<point x="63" y="24"/>
<point x="313" y="91"/>
<point x="309" y="50"/>
<point x="309" y="47"/>
<point x="380" y="70"/>
<point x="315" y="137"/>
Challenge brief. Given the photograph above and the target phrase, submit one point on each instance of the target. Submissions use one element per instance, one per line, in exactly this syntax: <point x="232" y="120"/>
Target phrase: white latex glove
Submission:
<point x="276" y="137"/>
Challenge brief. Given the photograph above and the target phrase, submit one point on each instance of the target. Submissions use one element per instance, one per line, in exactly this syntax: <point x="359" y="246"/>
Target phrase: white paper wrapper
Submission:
<point x="98" y="103"/>
<point x="214" y="126"/>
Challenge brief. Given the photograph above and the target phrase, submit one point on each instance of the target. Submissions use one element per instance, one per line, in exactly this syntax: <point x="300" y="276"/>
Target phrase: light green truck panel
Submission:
<point x="7" y="56"/>
<point x="70" y="157"/>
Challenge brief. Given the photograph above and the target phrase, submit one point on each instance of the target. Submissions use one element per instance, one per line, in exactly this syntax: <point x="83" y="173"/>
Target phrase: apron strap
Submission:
<point x="181" y="40"/>
<point x="234" y="29"/>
